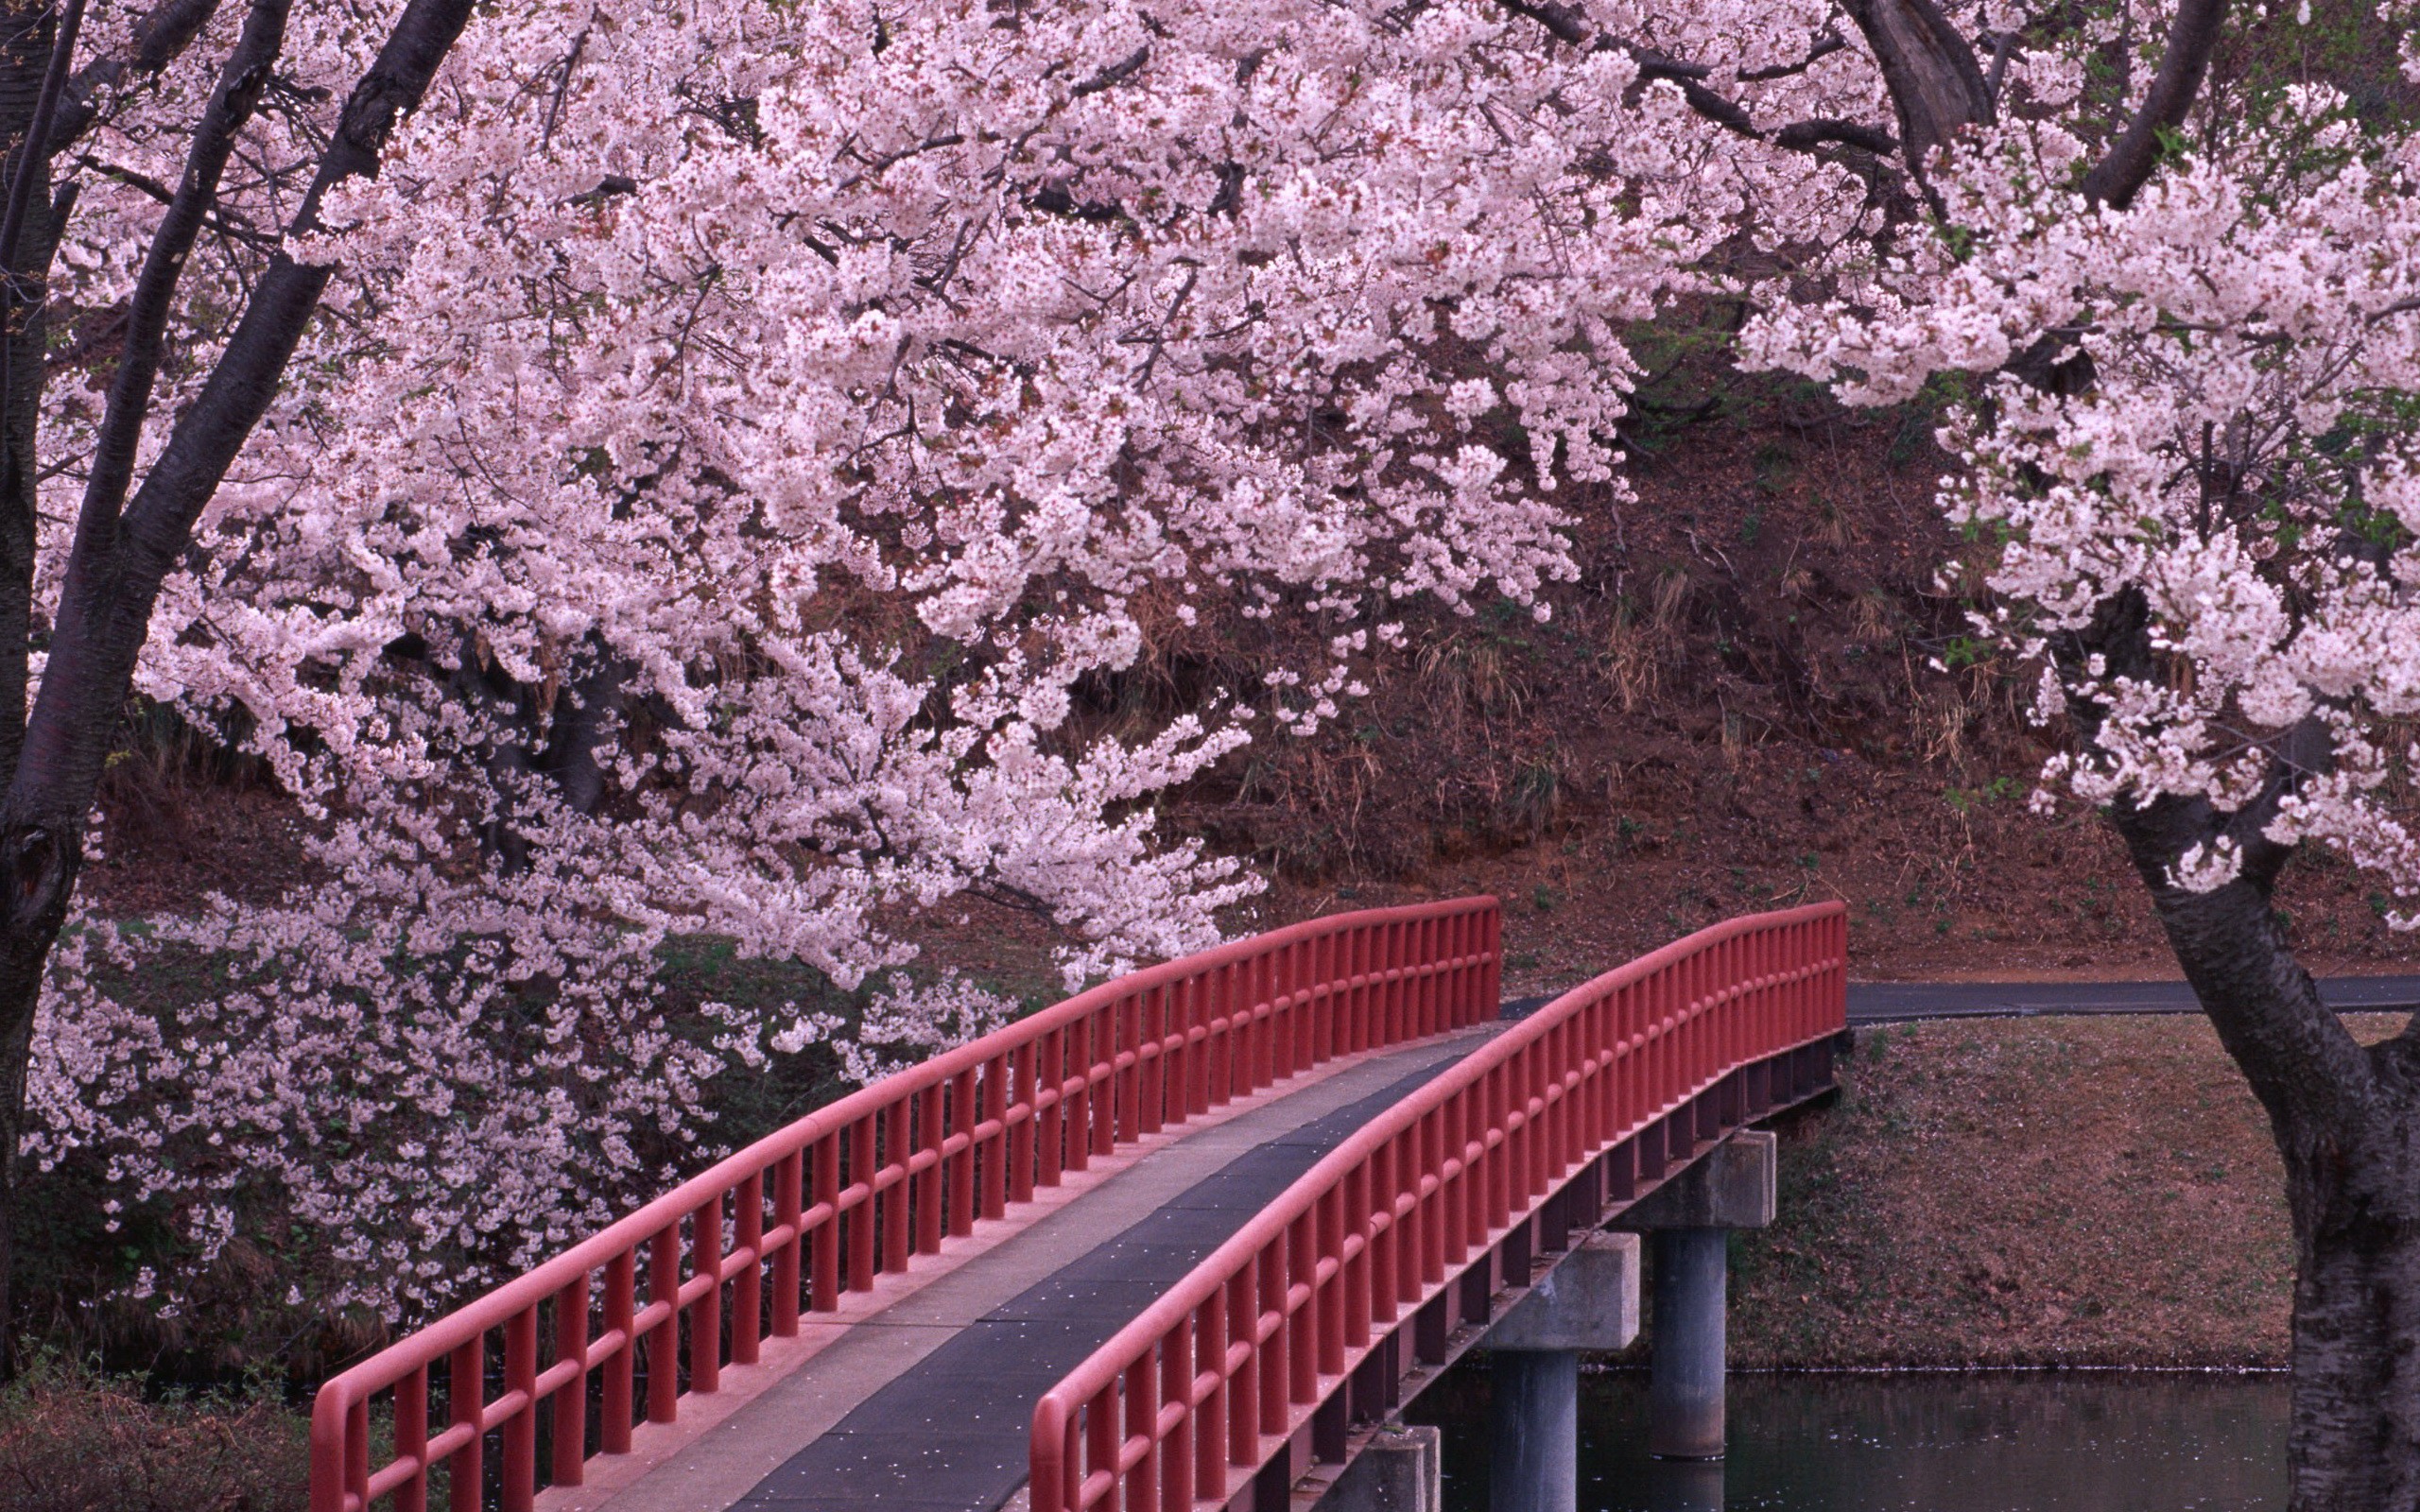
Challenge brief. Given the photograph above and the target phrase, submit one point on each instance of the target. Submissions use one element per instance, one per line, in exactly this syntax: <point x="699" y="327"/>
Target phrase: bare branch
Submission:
<point x="1825" y="45"/>
<point x="106" y="602"/>
<point x="1565" y="26"/>
<point x="240" y="85"/>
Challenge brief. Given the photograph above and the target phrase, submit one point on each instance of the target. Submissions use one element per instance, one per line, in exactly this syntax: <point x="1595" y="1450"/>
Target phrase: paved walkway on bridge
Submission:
<point x="926" y="1407"/>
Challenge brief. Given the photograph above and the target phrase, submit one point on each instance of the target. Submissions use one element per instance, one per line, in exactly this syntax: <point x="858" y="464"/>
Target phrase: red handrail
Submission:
<point x="825" y="1205"/>
<point x="1216" y="1375"/>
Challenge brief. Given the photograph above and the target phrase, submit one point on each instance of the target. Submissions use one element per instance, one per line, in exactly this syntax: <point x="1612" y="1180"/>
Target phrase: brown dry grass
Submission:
<point x="72" y="1441"/>
<point x="2026" y="1192"/>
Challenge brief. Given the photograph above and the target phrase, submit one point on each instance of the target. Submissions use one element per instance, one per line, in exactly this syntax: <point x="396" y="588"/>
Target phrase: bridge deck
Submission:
<point x="926" y="1403"/>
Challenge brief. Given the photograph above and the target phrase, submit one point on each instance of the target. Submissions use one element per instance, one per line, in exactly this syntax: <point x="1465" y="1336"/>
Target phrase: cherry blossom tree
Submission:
<point x="736" y="439"/>
<point x="704" y="480"/>
<point x="2189" y="362"/>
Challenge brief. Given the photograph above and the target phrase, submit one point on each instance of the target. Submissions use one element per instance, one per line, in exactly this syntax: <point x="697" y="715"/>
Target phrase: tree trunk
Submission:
<point x="37" y="877"/>
<point x="36" y="872"/>
<point x="2345" y="1117"/>
<point x="2346" y="1120"/>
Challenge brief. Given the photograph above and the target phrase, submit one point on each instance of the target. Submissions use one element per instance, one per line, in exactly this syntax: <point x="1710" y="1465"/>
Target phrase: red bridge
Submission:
<point x="1186" y="1241"/>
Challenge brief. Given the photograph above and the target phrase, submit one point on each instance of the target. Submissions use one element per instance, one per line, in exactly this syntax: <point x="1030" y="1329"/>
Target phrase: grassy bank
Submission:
<point x="2026" y="1192"/>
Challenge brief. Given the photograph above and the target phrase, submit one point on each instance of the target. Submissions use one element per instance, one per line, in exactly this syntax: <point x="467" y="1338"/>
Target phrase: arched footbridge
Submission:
<point x="1186" y="1241"/>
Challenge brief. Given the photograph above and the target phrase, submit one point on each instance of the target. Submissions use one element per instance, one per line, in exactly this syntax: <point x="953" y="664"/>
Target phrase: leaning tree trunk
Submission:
<point x="2346" y="1120"/>
<point x="2345" y="1117"/>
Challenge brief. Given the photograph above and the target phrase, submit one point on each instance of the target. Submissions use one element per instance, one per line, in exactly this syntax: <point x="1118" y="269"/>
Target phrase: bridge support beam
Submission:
<point x="1588" y="1302"/>
<point x="1690" y="1221"/>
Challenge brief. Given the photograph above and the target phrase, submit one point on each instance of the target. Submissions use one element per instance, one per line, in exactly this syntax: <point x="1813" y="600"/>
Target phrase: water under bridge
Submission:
<point x="1186" y="1241"/>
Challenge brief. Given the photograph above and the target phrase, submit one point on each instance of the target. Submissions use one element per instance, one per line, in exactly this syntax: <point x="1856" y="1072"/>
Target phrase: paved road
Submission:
<point x="1889" y="1002"/>
<point x="1893" y="1002"/>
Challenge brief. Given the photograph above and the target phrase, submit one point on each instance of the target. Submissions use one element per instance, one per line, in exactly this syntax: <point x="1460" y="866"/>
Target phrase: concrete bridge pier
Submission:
<point x="1689" y="1222"/>
<point x="1588" y="1302"/>
<point x="1402" y="1470"/>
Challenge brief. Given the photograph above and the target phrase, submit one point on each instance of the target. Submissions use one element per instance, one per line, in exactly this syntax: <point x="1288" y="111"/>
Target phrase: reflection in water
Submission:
<point x="1916" y="1443"/>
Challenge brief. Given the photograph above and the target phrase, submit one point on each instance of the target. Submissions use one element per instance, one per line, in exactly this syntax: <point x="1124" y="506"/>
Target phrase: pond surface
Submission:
<point x="2011" y="1442"/>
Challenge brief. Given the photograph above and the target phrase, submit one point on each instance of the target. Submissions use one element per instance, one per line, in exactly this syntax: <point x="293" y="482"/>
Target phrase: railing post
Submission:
<point x="1078" y="1099"/>
<point x="961" y="1120"/>
<point x="1199" y="1049"/>
<point x="465" y="1389"/>
<point x="1125" y="1081"/>
<point x="1175" y="1456"/>
<point x="621" y="1309"/>
<point x="705" y="1314"/>
<point x="412" y="1442"/>
<point x="1102" y="1073"/>
<point x="748" y="1287"/>
<point x="1210" y="1437"/>
<point x="1303" y="1328"/>
<point x="996" y="1156"/>
<point x="862" y="1170"/>
<point x="1051" y="1119"/>
<point x="664" y="1340"/>
<point x="1142" y="1422"/>
<point x="571" y="1398"/>
<point x="824" y="1283"/>
<point x="519" y="1435"/>
<point x="898" y="1149"/>
<point x="1100" y="1447"/>
<point x="789" y="1177"/>
<point x="1274" y="1382"/>
<point x="927" y="1138"/>
<point x="1242" y="1292"/>
<point x="1026" y="1141"/>
<point x="1046" y="1458"/>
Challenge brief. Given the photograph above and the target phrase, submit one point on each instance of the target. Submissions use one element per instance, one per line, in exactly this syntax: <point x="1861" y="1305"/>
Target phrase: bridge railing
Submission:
<point x="1210" y="1380"/>
<point x="707" y="1273"/>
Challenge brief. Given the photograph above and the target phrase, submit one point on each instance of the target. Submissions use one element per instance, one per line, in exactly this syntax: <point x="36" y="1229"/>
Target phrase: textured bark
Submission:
<point x="2345" y="1118"/>
<point x="1935" y="82"/>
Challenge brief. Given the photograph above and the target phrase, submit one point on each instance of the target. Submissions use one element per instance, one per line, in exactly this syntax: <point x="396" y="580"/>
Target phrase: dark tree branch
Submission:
<point x="22" y="278"/>
<point x="2302" y="1064"/>
<point x="1566" y="24"/>
<point x="160" y="39"/>
<point x="105" y="616"/>
<point x="1805" y="134"/>
<point x="153" y="299"/>
<point x="2002" y="45"/>
<point x="1825" y="45"/>
<point x="1115" y="74"/>
<point x="2116" y="177"/>
<point x="29" y="163"/>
